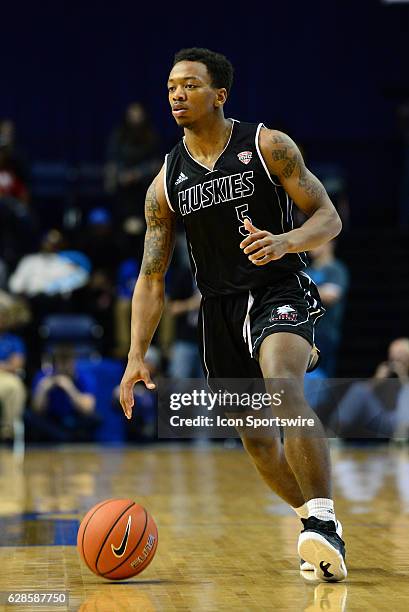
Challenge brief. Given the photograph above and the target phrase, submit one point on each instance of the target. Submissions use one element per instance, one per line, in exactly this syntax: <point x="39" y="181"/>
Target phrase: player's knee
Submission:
<point x="273" y="367"/>
<point x="262" y="448"/>
<point x="284" y="382"/>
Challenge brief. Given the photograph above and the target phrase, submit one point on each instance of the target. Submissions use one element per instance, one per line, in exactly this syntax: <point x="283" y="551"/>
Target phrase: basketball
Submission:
<point x="117" y="539"/>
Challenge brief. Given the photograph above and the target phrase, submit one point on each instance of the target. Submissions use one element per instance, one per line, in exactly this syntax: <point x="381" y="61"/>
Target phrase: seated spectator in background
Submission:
<point x="103" y="248"/>
<point x="12" y="365"/>
<point x="332" y="279"/>
<point x="52" y="271"/>
<point x="369" y="409"/>
<point x="63" y="400"/>
<point x="97" y="299"/>
<point x="100" y="243"/>
<point x="133" y="159"/>
<point x="50" y="280"/>
<point x="127" y="276"/>
<point x="18" y="311"/>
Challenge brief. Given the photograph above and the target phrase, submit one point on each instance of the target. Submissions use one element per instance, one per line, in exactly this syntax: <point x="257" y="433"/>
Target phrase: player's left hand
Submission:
<point x="262" y="246"/>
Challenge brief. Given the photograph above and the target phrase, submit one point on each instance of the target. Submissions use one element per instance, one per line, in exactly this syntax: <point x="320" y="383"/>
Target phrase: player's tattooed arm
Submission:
<point x="160" y="233"/>
<point x="288" y="165"/>
<point x="149" y="293"/>
<point x="284" y="160"/>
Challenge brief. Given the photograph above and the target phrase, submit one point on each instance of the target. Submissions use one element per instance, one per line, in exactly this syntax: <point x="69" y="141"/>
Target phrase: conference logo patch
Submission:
<point x="245" y="157"/>
<point x="283" y="313"/>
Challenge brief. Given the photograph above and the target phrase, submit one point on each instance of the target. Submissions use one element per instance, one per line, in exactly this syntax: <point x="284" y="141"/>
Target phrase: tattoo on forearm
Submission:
<point x="159" y="236"/>
<point x="289" y="159"/>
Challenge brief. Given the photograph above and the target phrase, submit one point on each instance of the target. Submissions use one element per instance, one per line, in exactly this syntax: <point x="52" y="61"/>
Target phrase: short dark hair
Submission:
<point x="218" y="66"/>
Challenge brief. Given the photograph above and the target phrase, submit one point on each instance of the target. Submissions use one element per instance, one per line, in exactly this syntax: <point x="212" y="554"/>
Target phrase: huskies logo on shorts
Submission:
<point x="245" y="157"/>
<point x="283" y="313"/>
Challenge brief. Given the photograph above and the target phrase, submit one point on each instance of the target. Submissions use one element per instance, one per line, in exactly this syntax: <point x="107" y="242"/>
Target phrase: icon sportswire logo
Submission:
<point x="182" y="177"/>
<point x="120" y="551"/>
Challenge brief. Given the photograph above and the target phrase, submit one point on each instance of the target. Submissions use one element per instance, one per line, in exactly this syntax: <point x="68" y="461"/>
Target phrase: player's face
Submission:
<point x="191" y="95"/>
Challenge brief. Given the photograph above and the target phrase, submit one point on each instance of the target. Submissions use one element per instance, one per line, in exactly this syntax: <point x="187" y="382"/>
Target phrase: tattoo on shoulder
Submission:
<point x="286" y="153"/>
<point x="279" y="138"/>
<point x="290" y="161"/>
<point x="159" y="236"/>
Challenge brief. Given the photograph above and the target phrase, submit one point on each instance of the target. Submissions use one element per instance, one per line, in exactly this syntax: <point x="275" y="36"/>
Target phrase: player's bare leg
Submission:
<point x="269" y="458"/>
<point x="283" y="360"/>
<point x="284" y="356"/>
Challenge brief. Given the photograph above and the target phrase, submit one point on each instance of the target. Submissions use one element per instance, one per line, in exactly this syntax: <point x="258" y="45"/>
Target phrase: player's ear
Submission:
<point x="221" y="97"/>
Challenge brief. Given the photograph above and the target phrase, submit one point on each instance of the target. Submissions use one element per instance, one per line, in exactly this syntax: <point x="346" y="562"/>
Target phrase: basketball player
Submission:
<point x="234" y="184"/>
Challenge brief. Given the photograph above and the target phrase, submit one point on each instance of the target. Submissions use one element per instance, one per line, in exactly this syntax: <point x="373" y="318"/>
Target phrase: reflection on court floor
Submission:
<point x="225" y="542"/>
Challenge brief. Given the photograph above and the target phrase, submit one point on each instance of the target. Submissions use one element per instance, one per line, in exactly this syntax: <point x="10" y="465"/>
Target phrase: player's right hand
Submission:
<point x="136" y="370"/>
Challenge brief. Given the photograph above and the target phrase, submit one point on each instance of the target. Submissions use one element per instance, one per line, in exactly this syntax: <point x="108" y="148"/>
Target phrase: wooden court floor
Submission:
<point x="225" y="542"/>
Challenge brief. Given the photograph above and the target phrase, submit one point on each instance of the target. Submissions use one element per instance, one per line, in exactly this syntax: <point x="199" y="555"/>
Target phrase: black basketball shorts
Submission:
<point x="232" y="327"/>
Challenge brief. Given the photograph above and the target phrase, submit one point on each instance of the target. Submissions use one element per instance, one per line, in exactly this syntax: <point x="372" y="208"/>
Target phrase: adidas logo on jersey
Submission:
<point x="182" y="177"/>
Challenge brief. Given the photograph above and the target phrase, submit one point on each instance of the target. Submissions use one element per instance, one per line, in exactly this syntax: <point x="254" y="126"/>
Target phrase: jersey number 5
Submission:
<point x="241" y="215"/>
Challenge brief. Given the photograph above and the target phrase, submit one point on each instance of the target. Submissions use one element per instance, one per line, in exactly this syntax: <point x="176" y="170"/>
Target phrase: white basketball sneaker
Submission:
<point x="308" y="567"/>
<point x="320" y="545"/>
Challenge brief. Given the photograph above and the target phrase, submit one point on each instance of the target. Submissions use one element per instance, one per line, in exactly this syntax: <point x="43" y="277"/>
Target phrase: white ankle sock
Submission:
<point x="302" y="511"/>
<point x="321" y="508"/>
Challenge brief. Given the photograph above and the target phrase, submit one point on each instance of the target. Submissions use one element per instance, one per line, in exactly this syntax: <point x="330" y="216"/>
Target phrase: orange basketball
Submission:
<point x="117" y="539"/>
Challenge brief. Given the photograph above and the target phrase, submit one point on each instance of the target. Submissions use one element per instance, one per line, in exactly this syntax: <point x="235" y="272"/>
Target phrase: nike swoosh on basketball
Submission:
<point x="120" y="551"/>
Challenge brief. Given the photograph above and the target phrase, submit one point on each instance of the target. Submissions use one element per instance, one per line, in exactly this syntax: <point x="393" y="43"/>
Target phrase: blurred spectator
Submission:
<point x="128" y="273"/>
<point x="18" y="224"/>
<point x="97" y="299"/>
<point x="332" y="279"/>
<point x="17" y="158"/>
<point x="104" y="249"/>
<point x="12" y="364"/>
<point x="18" y="311"/>
<point x="369" y="409"/>
<point x="402" y="415"/>
<point x="63" y="400"/>
<point x="133" y="158"/>
<point x="100" y="243"/>
<point x="52" y="271"/>
<point x="51" y="280"/>
<point x="12" y="183"/>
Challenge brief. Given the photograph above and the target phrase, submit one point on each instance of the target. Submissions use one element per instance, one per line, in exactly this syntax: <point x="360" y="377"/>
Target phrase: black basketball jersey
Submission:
<point x="213" y="205"/>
